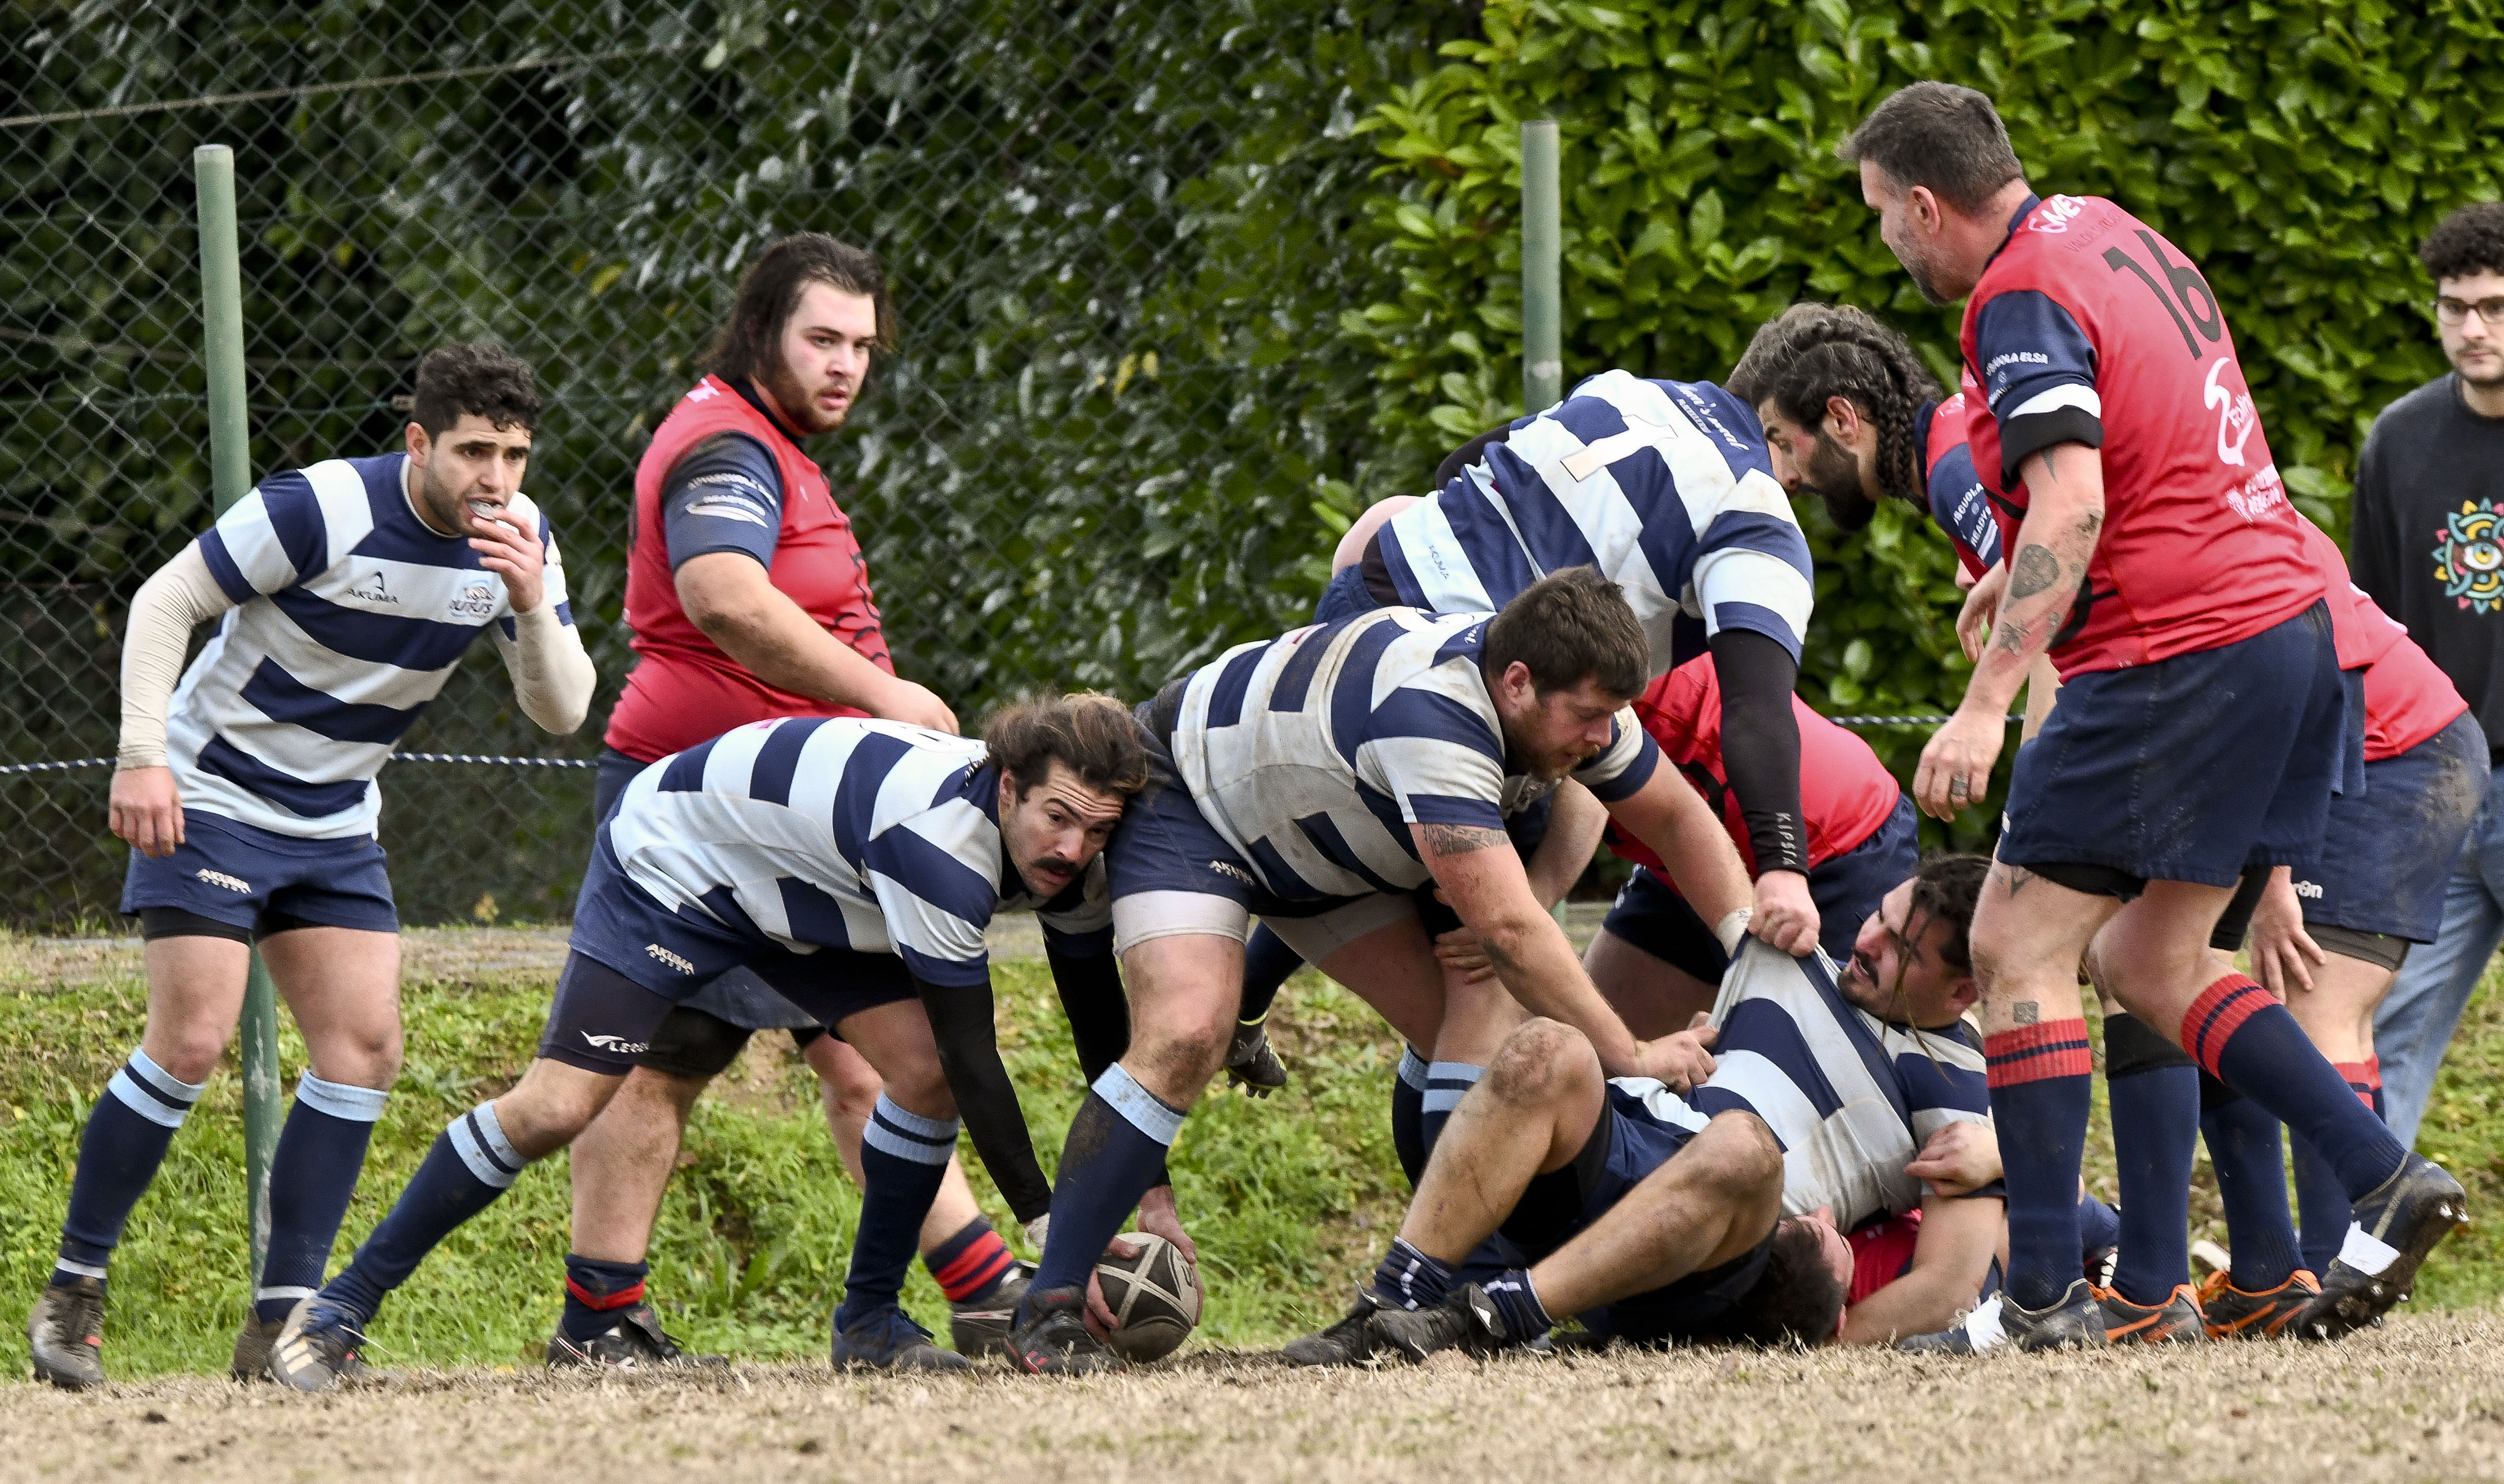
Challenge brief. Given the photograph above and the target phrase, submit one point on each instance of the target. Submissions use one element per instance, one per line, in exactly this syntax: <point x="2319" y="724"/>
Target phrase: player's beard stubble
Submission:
<point x="799" y="403"/>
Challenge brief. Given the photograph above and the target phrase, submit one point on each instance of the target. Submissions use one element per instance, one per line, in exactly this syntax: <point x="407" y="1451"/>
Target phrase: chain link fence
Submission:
<point x="1112" y="230"/>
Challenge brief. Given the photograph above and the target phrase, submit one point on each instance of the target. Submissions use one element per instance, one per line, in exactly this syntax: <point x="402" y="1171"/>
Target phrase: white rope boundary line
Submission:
<point x="13" y="769"/>
<point x="310" y="90"/>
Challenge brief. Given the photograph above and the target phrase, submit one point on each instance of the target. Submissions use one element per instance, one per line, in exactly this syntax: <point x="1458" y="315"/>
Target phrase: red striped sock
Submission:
<point x="970" y="1263"/>
<point x="2364" y="1077"/>
<point x="2033" y="1053"/>
<point x="2216" y="1014"/>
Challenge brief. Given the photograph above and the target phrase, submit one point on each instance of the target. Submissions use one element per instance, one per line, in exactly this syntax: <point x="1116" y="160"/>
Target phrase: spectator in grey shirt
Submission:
<point x="2429" y="545"/>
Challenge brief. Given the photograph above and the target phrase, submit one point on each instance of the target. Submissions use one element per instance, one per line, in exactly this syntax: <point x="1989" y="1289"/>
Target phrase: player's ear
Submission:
<point x="418" y="442"/>
<point x="1842" y="418"/>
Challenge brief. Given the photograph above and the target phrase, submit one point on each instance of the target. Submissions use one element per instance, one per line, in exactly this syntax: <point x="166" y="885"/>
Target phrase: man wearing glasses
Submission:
<point x="2428" y="546"/>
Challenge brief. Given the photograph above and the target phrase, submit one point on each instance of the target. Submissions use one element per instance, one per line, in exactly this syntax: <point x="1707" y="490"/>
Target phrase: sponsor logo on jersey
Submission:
<point x="703" y="393"/>
<point x="2056" y="214"/>
<point x="2469" y="556"/>
<point x="221" y="879"/>
<point x="1236" y="872"/>
<point x="2261" y="495"/>
<point x="673" y="960"/>
<point x="476" y="599"/>
<point x="2235" y="415"/>
<point x="373" y="590"/>
<point x="618" y="1044"/>
<point x="2310" y="891"/>
<point x="2016" y="358"/>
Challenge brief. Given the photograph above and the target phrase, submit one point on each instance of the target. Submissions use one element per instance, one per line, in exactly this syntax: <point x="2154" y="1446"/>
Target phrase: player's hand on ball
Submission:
<point x="1100" y="1322"/>
<point x="1958" y="1159"/>
<point x="1681" y="1060"/>
<point x="1158" y="1216"/>
<point x="1956" y="765"/>
<point x="1784" y="913"/>
<point x="2280" y="943"/>
<point x="1981" y="606"/>
<point x="903" y="701"/>
<point x="147" y="809"/>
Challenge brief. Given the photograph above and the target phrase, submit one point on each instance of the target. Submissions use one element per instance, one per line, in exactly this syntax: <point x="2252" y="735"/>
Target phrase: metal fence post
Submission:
<point x="229" y="478"/>
<point x="1542" y="230"/>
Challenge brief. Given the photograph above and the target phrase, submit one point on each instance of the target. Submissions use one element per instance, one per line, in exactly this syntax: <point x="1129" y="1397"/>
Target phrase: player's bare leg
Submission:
<point x="2027" y="935"/>
<point x="195" y="986"/>
<point x="1183" y="988"/>
<point x="1706" y="1207"/>
<point x="342" y="987"/>
<point x="621" y="1164"/>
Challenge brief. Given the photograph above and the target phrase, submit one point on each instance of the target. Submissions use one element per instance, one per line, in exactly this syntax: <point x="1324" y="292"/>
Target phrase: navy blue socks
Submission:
<point x="1268" y="964"/>
<point x="1409" y="1279"/>
<point x="1525" y="1319"/>
<point x="2040" y="1097"/>
<point x="126" y="1135"/>
<point x="2246" y="1039"/>
<point x="904" y="1157"/>
<point x="2244" y="1150"/>
<point x="1408" y="1115"/>
<point x="1115" y="1154"/>
<point x="1446" y="1084"/>
<point x="595" y="1289"/>
<point x="2155" y="1097"/>
<point x="470" y="1165"/>
<point x="311" y="1177"/>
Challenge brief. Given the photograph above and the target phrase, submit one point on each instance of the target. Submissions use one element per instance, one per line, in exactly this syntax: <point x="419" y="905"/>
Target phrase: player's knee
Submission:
<point x="1191" y="1054"/>
<point x="851" y="1085"/>
<point x="1541" y="1063"/>
<point x="359" y="1057"/>
<point x="188" y="1052"/>
<point x="551" y="1106"/>
<point x="919" y="1085"/>
<point x="1739" y="1158"/>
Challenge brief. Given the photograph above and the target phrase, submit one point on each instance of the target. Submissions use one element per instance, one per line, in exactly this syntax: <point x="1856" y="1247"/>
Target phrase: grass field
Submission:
<point x="1289" y="1200"/>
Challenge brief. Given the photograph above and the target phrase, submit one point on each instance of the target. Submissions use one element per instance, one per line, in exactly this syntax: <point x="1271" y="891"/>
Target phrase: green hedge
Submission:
<point x="2298" y="152"/>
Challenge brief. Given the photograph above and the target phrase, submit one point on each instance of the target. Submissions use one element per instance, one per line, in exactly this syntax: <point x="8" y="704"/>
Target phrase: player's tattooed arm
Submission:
<point x="2036" y="569"/>
<point x="1461" y="839"/>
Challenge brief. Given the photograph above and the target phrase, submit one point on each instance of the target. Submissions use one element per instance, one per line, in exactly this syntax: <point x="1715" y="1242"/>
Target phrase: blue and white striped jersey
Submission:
<point x="1313" y="753"/>
<point x="1664" y="486"/>
<point x="804" y="833"/>
<point x="352" y="615"/>
<point x="1850" y="1098"/>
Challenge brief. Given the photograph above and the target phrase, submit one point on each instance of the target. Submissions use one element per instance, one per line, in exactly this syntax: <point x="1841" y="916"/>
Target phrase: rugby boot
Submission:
<point x="1466" y="1321"/>
<point x="1251" y="1064"/>
<point x="318" y="1347"/>
<point x="1349" y="1342"/>
<point x="980" y="1327"/>
<point x="635" y="1342"/>
<point x="2077" y="1322"/>
<point x="253" y="1343"/>
<point x="2098" y="1265"/>
<point x="2395" y="1227"/>
<point x="1051" y="1338"/>
<point x="2235" y="1314"/>
<point x="2178" y="1321"/>
<point x="888" y="1339"/>
<point x="66" y="1334"/>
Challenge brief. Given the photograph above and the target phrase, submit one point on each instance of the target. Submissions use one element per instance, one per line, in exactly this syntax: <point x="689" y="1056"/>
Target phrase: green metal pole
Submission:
<point x="1543" y="307"/>
<point x="229" y="478"/>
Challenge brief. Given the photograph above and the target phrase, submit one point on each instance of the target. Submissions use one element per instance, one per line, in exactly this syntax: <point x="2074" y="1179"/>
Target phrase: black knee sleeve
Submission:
<point x="157" y="922"/>
<point x="2132" y="1045"/>
<point x="2236" y="920"/>
<point x="691" y="1043"/>
<point x="2214" y="1094"/>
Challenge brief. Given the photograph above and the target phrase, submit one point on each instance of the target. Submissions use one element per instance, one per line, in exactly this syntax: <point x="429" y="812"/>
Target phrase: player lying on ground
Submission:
<point x="855" y="865"/>
<point x="1320" y="779"/>
<point x="2118" y="506"/>
<point x="1851" y="1075"/>
<point x="345" y="593"/>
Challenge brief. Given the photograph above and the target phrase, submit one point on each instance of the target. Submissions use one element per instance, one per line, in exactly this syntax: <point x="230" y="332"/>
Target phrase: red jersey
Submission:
<point x="685" y="690"/>
<point x="2088" y="328"/>
<point x="1958" y="503"/>
<point x="1882" y="1252"/>
<point x="1846" y="794"/>
<point x="2407" y="698"/>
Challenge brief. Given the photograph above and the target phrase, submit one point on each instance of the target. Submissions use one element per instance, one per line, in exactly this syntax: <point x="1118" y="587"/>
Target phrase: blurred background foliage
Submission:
<point x="1179" y="291"/>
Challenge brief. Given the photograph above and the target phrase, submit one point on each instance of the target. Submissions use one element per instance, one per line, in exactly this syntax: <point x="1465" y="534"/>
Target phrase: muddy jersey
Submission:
<point x="2089" y="328"/>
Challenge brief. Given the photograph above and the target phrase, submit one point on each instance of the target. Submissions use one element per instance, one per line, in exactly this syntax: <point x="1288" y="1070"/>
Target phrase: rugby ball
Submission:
<point x="1154" y="1297"/>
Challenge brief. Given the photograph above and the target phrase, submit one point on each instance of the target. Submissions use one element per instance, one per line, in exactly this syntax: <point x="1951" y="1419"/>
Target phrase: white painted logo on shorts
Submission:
<point x="2310" y="891"/>
<point x="618" y="1044"/>
<point x="1236" y="872"/>
<point x="221" y="879"/>
<point x="670" y="958"/>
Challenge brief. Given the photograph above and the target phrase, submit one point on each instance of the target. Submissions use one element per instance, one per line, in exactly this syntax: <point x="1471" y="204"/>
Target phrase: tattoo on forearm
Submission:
<point x="2034" y="570"/>
<point x="2026" y="1013"/>
<point x="1461" y="839"/>
<point x="2010" y="638"/>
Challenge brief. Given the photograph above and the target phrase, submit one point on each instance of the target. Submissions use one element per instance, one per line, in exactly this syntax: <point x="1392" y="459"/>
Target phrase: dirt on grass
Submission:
<point x="2422" y="1398"/>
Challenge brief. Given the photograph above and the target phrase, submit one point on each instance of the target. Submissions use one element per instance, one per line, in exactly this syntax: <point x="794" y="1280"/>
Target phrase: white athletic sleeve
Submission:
<point x="182" y="596"/>
<point x="554" y="676"/>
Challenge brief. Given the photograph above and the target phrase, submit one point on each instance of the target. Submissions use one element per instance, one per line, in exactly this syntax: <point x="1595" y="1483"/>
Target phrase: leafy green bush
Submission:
<point x="2297" y="151"/>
